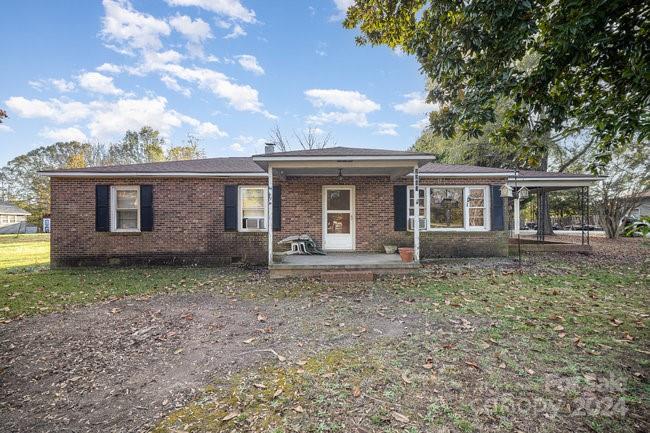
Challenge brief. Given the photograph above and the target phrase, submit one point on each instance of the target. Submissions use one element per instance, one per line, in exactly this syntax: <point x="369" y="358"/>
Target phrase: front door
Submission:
<point x="338" y="218"/>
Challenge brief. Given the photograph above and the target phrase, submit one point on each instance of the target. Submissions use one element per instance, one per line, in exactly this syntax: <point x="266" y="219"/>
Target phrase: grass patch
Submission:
<point x="24" y="250"/>
<point x="28" y="286"/>
<point x="508" y="351"/>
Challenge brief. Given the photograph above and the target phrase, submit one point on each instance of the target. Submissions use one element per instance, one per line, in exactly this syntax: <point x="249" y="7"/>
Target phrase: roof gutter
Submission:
<point x="146" y="174"/>
<point x="429" y="174"/>
<point x="271" y="158"/>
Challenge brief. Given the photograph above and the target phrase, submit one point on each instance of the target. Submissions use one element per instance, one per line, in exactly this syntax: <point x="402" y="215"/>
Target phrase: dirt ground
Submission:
<point x="121" y="365"/>
<point x="124" y="365"/>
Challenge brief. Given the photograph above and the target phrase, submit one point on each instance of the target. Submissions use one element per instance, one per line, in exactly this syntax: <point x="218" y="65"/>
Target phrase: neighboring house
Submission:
<point x="643" y="210"/>
<point x="12" y="218"/>
<point x="218" y="210"/>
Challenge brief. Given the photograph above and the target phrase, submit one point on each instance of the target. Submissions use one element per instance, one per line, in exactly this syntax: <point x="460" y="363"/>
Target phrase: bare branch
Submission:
<point x="276" y="137"/>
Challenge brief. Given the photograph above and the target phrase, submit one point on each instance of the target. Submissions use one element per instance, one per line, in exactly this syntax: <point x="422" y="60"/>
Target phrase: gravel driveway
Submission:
<point x="119" y="366"/>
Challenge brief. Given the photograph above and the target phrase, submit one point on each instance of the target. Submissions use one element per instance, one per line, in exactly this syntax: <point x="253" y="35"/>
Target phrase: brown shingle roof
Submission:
<point x="537" y="173"/>
<point x="7" y="208"/>
<point x="245" y="165"/>
<point x="434" y="167"/>
<point x="208" y="165"/>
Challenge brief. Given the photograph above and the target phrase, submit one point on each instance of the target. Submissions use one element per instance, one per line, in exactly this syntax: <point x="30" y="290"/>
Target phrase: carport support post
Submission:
<point x="269" y="214"/>
<point x="416" y="214"/>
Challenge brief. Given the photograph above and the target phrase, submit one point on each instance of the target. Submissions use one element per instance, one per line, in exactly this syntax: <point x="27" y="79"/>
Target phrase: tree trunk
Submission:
<point x="545" y="213"/>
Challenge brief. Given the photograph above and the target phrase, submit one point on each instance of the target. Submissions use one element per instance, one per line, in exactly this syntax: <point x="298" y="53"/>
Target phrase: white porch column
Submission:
<point x="517" y="216"/>
<point x="416" y="214"/>
<point x="269" y="213"/>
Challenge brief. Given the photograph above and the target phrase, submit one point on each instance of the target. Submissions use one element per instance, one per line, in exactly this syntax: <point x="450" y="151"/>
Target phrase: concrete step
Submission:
<point x="347" y="276"/>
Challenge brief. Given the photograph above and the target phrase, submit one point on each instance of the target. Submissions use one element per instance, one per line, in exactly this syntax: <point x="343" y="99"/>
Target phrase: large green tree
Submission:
<point x="21" y="184"/>
<point x="562" y="65"/>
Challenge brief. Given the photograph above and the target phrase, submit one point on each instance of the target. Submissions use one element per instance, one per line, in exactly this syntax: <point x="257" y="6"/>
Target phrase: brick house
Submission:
<point x="217" y="210"/>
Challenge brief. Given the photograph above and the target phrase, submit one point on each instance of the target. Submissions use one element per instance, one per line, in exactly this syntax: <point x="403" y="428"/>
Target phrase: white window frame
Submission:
<point x="466" y="227"/>
<point x="114" y="190"/>
<point x="240" y="213"/>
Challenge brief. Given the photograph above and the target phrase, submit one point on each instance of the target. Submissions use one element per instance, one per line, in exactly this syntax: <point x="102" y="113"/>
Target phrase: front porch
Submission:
<point x="339" y="266"/>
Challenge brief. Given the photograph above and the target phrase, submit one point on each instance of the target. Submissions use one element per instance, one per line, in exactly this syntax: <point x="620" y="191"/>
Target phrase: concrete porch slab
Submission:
<point x="314" y="266"/>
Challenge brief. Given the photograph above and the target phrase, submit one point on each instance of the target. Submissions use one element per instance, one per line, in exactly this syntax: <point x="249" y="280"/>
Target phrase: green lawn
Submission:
<point x="530" y="351"/>
<point x="24" y="250"/>
<point x="561" y="344"/>
<point x="28" y="286"/>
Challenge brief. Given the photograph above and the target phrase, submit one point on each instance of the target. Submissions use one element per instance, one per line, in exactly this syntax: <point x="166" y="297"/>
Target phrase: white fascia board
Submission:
<point x="559" y="183"/>
<point x="146" y="174"/>
<point x="342" y="158"/>
<point x="558" y="179"/>
<point x="463" y="174"/>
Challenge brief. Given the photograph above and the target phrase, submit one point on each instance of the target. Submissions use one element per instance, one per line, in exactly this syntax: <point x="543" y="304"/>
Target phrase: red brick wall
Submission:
<point x="188" y="221"/>
<point x="188" y="224"/>
<point x="302" y="214"/>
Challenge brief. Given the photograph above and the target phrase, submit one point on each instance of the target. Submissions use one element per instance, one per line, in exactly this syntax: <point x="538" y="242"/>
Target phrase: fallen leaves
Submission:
<point x="400" y="417"/>
<point x="231" y="415"/>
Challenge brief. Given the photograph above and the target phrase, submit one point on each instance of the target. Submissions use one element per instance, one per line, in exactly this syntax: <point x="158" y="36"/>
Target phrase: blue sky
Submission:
<point x="225" y="71"/>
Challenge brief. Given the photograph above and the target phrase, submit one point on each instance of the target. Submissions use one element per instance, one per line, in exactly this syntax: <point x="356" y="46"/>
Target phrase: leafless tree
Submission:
<point x="311" y="139"/>
<point x="308" y="139"/>
<point x="628" y="176"/>
<point x="281" y="143"/>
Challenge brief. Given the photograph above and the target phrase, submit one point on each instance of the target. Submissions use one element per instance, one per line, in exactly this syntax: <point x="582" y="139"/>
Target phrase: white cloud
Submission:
<point x="240" y="97"/>
<point x="98" y="83"/>
<point x="64" y="134"/>
<point x="232" y="9"/>
<point x="130" y="29"/>
<point x="172" y="84"/>
<point x="354" y="105"/>
<point x="61" y="85"/>
<point x="358" y="119"/>
<point x="237" y="147"/>
<point x="415" y="104"/>
<point x="249" y="63"/>
<point x="197" y="31"/>
<point x="112" y="119"/>
<point x="109" y="68"/>
<point x="386" y="129"/>
<point x="207" y="129"/>
<point x="348" y="100"/>
<point x="5" y="128"/>
<point x="421" y="124"/>
<point x="237" y="31"/>
<point x="53" y="109"/>
<point x="109" y="120"/>
<point x="342" y="7"/>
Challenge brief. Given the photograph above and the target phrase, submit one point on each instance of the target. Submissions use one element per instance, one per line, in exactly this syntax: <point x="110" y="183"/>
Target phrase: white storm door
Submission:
<point x="338" y="218"/>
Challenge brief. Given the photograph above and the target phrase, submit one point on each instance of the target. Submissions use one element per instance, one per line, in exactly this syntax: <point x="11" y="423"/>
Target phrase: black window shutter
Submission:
<point x="102" y="208"/>
<point x="146" y="208"/>
<point x="230" y="208"/>
<point x="277" y="208"/>
<point x="497" y="208"/>
<point x="399" y="207"/>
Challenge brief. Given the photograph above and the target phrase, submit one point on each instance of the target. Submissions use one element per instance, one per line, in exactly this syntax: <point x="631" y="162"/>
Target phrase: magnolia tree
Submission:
<point x="558" y="66"/>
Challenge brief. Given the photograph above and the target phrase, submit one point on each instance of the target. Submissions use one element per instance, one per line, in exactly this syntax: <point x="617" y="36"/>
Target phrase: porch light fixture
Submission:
<point x="340" y="176"/>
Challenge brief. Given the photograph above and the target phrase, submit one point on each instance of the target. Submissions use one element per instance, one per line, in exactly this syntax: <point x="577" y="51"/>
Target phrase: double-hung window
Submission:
<point x="451" y="208"/>
<point x="252" y="208"/>
<point x="125" y="208"/>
